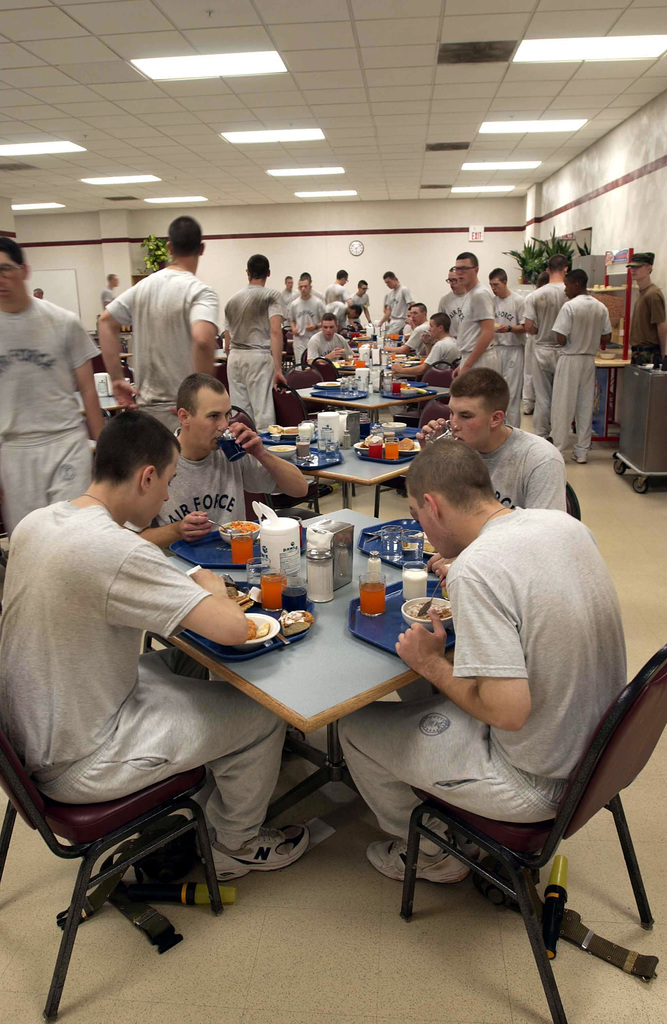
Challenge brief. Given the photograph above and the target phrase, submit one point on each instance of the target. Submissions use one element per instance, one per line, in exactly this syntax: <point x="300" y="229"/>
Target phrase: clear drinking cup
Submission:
<point x="391" y="540"/>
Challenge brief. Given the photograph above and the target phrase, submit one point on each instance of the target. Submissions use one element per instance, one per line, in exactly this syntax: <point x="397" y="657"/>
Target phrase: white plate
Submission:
<point x="258" y="620"/>
<point x="283" y="451"/>
<point x="328" y="384"/>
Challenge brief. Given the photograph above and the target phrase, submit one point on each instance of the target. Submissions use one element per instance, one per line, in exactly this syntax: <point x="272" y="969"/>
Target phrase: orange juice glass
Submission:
<point x="241" y="548"/>
<point x="372" y="594"/>
<point x="391" y="449"/>
<point x="359" y="363"/>
<point x="271" y="586"/>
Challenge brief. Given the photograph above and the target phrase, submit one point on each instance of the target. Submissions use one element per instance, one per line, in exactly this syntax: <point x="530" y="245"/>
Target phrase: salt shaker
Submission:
<point x="347" y="440"/>
<point x="320" y="575"/>
<point x="374" y="565"/>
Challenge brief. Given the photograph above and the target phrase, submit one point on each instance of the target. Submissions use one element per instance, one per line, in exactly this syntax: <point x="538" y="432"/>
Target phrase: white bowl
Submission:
<point x="283" y="451"/>
<point x="395" y="425"/>
<point x="610" y="355"/>
<point x="226" y="535"/>
<point x="409" y="609"/>
<point x="258" y="620"/>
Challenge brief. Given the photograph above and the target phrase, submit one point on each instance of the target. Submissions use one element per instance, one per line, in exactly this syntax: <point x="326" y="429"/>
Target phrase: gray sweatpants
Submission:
<point x="573" y="398"/>
<point x="510" y="366"/>
<point x="545" y="360"/>
<point x="32" y="476"/>
<point x="162" y="412"/>
<point x="250" y="373"/>
<point x="433" y="745"/>
<point x="528" y="386"/>
<point x="172" y="723"/>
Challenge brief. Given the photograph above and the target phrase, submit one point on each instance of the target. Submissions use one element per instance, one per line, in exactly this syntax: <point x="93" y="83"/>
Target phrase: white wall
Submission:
<point x="632" y="215"/>
<point x="420" y="260"/>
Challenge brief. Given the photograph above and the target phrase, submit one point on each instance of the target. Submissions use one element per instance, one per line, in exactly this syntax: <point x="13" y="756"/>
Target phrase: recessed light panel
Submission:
<point x="502" y="165"/>
<point x="277" y="135"/>
<point x="211" y="65"/>
<point x="178" y="199"/>
<point x="324" y="195"/>
<point x="538" y="51"/>
<point x="521" y="127"/>
<point x="40" y="148"/>
<point x="296" y="172"/>
<point x="38" y="206"/>
<point x="124" y="179"/>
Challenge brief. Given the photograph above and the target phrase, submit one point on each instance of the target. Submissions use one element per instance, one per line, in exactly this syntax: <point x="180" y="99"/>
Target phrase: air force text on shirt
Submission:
<point x="203" y="503"/>
<point x="26" y="355"/>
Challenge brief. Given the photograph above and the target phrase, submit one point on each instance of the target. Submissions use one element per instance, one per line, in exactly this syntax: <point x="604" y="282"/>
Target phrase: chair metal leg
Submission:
<point x="6" y="834"/>
<point x="207" y="857"/>
<point x="412" y="853"/>
<point x="636" y="880"/>
<point x="533" y="927"/>
<point x="376" y="507"/>
<point x="69" y="935"/>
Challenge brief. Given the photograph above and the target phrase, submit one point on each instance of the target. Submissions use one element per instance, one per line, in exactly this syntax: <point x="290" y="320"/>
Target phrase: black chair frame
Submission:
<point x="323" y="359"/>
<point x="516" y="865"/>
<point x="90" y="852"/>
<point x="572" y="502"/>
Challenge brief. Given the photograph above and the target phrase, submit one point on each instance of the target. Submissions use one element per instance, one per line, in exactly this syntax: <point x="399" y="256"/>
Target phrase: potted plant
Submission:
<point x="157" y="255"/>
<point x="530" y="260"/>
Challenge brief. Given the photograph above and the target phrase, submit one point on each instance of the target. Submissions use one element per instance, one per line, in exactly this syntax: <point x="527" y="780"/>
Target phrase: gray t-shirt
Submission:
<point x="336" y="293"/>
<point x="477" y="305"/>
<point x="247" y="316"/>
<point x="161" y="309"/>
<point x="214" y="486"/>
<point x="40" y="348"/>
<point x="361" y="300"/>
<point x="527" y="471"/>
<point x="444" y="350"/>
<point x="542" y="307"/>
<point x="509" y="312"/>
<point x="319" y="346"/>
<point x="78" y="594"/>
<point x="451" y="305"/>
<point x="107" y="296"/>
<point x="288" y="296"/>
<point x="532" y="599"/>
<point x="398" y="299"/>
<point x="339" y="310"/>
<point x="583" y="320"/>
<point x="415" y="339"/>
<point x="306" y="311"/>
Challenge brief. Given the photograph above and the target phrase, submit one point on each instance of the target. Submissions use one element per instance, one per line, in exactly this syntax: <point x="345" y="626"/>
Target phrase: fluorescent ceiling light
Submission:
<point x="123" y="179"/>
<point x="37" y="206"/>
<point x="211" y="65"/>
<point x="483" y="188"/>
<point x="278" y="135"/>
<point x="502" y="165"/>
<point x="178" y="199"/>
<point x="322" y="195"/>
<point x="521" y="127"/>
<point x="533" y="51"/>
<point x="295" y="172"/>
<point x="39" y="148"/>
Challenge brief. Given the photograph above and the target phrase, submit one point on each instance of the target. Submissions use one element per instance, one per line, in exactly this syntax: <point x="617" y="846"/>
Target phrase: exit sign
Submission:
<point x="476" y="233"/>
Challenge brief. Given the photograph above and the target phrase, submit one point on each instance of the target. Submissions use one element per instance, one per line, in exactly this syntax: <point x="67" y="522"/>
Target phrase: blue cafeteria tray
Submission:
<point x="233" y="654"/>
<point x="383" y="630"/>
<point x="336" y="393"/>
<point x="370" y="544"/>
<point x="422" y="387"/>
<point x="212" y="553"/>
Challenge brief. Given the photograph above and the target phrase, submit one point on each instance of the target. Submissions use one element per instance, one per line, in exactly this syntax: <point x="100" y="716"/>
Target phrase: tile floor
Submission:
<point x="322" y="942"/>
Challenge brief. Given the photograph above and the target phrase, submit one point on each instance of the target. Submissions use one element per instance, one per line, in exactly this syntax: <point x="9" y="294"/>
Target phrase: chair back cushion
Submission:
<point x="437" y="377"/>
<point x="325" y="367"/>
<point x="572" y="502"/>
<point x="220" y="373"/>
<point x="303" y="378"/>
<point x="10" y="760"/>
<point x="623" y="742"/>
<point x="434" y="410"/>
<point x="290" y="409"/>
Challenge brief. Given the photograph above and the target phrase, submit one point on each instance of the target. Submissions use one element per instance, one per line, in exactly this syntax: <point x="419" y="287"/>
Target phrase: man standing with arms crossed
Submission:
<point x="305" y="315"/>
<point x="173" y="316"/>
<point x="45" y="356"/>
<point x="510" y="340"/>
<point x="254" y="318"/>
<point x="540" y="311"/>
<point x="648" y="326"/>
<point x="476" y="331"/>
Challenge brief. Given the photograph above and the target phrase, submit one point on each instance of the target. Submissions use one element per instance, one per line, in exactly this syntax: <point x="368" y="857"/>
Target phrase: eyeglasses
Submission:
<point x="7" y="269"/>
<point x="459" y="269"/>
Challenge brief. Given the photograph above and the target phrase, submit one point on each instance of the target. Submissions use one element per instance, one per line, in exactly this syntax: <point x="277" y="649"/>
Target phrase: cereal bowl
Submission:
<point x="410" y="608"/>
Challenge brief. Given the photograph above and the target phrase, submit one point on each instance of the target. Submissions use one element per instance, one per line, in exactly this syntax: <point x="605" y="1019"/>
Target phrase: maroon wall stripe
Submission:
<point x="7" y="234"/>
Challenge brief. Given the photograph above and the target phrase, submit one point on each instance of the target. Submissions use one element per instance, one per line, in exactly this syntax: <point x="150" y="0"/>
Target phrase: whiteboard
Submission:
<point x="59" y="286"/>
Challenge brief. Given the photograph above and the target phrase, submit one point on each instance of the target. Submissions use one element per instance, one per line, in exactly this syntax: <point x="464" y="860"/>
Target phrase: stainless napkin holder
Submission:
<point x="342" y="549"/>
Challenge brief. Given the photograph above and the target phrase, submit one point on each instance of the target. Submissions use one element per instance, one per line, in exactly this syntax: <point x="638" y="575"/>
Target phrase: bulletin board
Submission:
<point x="59" y="287"/>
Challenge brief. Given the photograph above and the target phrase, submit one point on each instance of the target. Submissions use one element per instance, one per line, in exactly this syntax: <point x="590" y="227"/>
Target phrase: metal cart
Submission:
<point x="643" y="443"/>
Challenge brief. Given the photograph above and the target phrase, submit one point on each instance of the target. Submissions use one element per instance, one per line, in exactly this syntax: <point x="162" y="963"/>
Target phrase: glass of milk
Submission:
<point x="415" y="575"/>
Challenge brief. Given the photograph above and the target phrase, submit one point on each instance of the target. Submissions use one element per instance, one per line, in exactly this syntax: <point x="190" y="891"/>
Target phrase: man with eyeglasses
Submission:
<point x="476" y="332"/>
<point x="451" y="302"/>
<point x="45" y="357"/>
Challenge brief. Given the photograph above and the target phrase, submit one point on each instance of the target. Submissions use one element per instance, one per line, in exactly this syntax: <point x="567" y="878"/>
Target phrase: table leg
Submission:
<point x="333" y="769"/>
<point x="346" y="494"/>
<point x="376" y="507"/>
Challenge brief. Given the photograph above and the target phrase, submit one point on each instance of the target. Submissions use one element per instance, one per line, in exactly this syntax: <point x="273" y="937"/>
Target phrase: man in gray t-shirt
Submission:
<point x="396" y="303"/>
<point x="305" y="315"/>
<point x="173" y="316"/>
<point x="475" y="334"/>
<point x="107" y="293"/>
<point x="327" y="343"/>
<point x="534" y="668"/>
<point x="451" y="302"/>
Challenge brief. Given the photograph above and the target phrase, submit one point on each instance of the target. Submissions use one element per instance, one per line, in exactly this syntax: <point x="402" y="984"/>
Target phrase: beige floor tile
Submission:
<point x="442" y="964"/>
<point x="317" y="960"/>
<point x="295" y="1017"/>
<point x="19" y="1009"/>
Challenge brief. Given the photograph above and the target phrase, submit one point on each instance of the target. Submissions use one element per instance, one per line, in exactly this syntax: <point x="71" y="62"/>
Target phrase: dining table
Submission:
<point x="372" y="403"/>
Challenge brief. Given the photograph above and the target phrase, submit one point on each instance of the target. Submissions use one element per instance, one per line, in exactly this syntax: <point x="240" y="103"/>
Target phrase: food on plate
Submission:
<point x="372" y="439"/>
<point x="406" y="445"/>
<point x="295" y="622"/>
<point x="256" y="632"/>
<point x="406" y="389"/>
<point x="283" y="448"/>
<point x="287" y="431"/>
<point x="428" y="548"/>
<point x="243" y="600"/>
<point x="442" y="609"/>
<point x="241" y="526"/>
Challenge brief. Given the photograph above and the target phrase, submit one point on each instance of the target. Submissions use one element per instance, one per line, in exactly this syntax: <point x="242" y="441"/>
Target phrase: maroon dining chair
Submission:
<point x="98" y="364"/>
<point x="303" y="378"/>
<point x="220" y="373"/>
<point x="618" y="750"/>
<point x="241" y="416"/>
<point x="290" y="407"/>
<point x="434" y="410"/>
<point x="90" y="830"/>
<point x="572" y="502"/>
<point x="325" y="367"/>
<point x="438" y="376"/>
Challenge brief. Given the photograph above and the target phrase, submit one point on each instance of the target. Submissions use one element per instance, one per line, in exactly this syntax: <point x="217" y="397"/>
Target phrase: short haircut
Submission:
<point x="38" y="291"/>
<point x="418" y="305"/>
<point x="109" y="276"/>
<point x="389" y="273"/>
<point x="498" y="275"/>
<point x="188" y="392"/>
<point x="468" y="256"/>
<point x="288" y="278"/>
<point x="185" y="236"/>
<point x="258" y="266"/>
<point x="355" y="308"/>
<point x="542" y="279"/>
<point x="329" y="316"/>
<point x="341" y="273"/>
<point x="129" y="441"/>
<point x="452" y="469"/>
<point x="558" y="263"/>
<point x="359" y="283"/>
<point x="579" y="277"/>
<point x="484" y="383"/>
<point x="306" y="277"/>
<point x="441" y="320"/>
<point x="12" y="249"/>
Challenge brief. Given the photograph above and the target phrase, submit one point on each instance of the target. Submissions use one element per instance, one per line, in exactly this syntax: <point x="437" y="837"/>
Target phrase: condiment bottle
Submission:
<point x="374" y="565"/>
<point x="320" y="575"/>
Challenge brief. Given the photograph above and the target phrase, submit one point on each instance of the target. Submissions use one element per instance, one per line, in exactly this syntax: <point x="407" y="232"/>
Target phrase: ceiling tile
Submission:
<point x="471" y="90"/>
<point x="38" y="112"/>
<point x="28" y="78"/>
<point x="149" y="44"/>
<point x="280" y="12"/>
<point x="546" y="89"/>
<point x="63" y="94"/>
<point x="322" y="60"/>
<point x="638" y="21"/>
<point x="107" y="71"/>
<point x="334" y="80"/>
<point x="586" y="23"/>
<point x="40" y="23"/>
<point x="446" y="73"/>
<point x="205" y="87"/>
<point x="537" y="72"/>
<point x="204" y="14"/>
<point x="14" y="98"/>
<point x="468" y="7"/>
<point x="13" y="56"/>
<point x="397" y="57"/>
<point x="162" y="105"/>
<point x="467" y="28"/>
<point x="397" y="31"/>
<point x="102" y="18"/>
<point x="387" y="76"/>
<point x="229" y="40"/>
<point x="263" y="83"/>
<point x="395" y="8"/>
<point x="611" y="69"/>
<point x="228" y="102"/>
<point x="127" y="91"/>
<point x="66" y="51"/>
<point x="321" y="36"/>
<point x="644" y="85"/>
<point x="340" y="95"/>
<point x="99" y="108"/>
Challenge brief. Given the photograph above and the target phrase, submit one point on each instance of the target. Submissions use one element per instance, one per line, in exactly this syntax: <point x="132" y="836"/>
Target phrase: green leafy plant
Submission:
<point x="584" y="250"/>
<point x="554" y="246"/>
<point x="157" y="254"/>
<point x="529" y="260"/>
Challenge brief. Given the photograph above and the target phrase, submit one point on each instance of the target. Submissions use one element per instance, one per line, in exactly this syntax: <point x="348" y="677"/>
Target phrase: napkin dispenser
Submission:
<point x="337" y="537"/>
<point x="353" y="425"/>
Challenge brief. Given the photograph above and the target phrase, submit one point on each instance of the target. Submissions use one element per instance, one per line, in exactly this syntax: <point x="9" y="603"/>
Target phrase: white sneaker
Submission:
<point x="581" y="459"/>
<point x="388" y="857"/>
<point x="270" y="850"/>
<point x="528" y="410"/>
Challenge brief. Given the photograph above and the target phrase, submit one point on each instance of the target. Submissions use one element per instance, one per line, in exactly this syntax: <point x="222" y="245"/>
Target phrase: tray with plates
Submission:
<point x="319" y="460"/>
<point x="225" y="653"/>
<point x="211" y="552"/>
<point x="419" y="392"/>
<point x="362" y="453"/>
<point x="369" y="542"/>
<point x="351" y="396"/>
<point x="383" y="630"/>
<point x="269" y="437"/>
